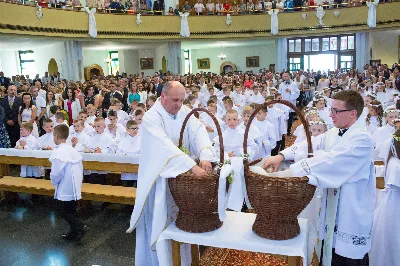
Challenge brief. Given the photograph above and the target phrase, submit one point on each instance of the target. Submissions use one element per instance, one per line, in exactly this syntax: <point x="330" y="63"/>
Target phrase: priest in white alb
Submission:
<point x="160" y="159"/>
<point x="343" y="167"/>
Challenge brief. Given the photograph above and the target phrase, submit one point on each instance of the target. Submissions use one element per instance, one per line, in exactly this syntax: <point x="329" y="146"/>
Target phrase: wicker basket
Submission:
<point x="277" y="201"/>
<point x="197" y="197"/>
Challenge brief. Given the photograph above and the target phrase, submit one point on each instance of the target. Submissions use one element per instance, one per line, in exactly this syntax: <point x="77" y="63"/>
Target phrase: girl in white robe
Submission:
<point x="386" y="132"/>
<point x="374" y="119"/>
<point x="381" y="94"/>
<point x="386" y="230"/>
<point x="323" y="111"/>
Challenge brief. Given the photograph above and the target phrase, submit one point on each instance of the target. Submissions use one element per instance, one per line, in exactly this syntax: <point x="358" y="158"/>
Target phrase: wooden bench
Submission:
<point x="103" y="193"/>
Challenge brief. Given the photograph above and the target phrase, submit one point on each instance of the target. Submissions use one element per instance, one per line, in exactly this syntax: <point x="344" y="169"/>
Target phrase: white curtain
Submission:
<point x="274" y="20"/>
<point x="281" y="54"/>
<point x="362" y="50"/>
<point x="72" y="62"/>
<point x="372" y="13"/>
<point x="185" y="32"/>
<point x="92" y="22"/>
<point x="174" y="57"/>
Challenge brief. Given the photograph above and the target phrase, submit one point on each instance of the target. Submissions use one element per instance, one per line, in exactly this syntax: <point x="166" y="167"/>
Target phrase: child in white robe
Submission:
<point x="27" y="142"/>
<point x="209" y="122"/>
<point x="101" y="142"/>
<point x="254" y="132"/>
<point x="277" y="118"/>
<point x="310" y="115"/>
<point x="268" y="139"/>
<point x="239" y="99"/>
<point x="91" y="111"/>
<point x="116" y="106"/>
<point x="323" y="111"/>
<point x="78" y="140"/>
<point x="256" y="96"/>
<point x="386" y="231"/>
<point x="130" y="145"/>
<point x="386" y="132"/>
<point x="233" y="138"/>
<point x="46" y="141"/>
<point x="374" y="118"/>
<point x="66" y="177"/>
<point x="228" y="104"/>
<point x="381" y="95"/>
<point x="88" y="129"/>
<point x="115" y="129"/>
<point x="60" y="119"/>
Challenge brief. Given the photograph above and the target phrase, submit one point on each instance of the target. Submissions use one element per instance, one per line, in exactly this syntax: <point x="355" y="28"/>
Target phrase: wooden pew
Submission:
<point x="103" y="193"/>
<point x="380" y="180"/>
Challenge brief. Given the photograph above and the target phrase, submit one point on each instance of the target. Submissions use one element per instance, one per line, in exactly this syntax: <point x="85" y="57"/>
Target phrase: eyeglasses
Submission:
<point x="336" y="111"/>
<point x="134" y="128"/>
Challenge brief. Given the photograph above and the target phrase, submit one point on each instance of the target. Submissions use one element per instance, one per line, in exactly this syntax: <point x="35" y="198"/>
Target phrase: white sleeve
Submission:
<point x="57" y="171"/>
<point x="319" y="169"/>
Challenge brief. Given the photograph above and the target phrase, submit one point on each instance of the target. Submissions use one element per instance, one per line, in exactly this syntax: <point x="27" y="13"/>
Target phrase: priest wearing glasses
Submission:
<point x="343" y="167"/>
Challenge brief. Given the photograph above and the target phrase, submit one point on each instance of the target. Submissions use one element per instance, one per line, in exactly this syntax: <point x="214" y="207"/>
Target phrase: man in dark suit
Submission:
<point x="123" y="89"/>
<point x="158" y="86"/>
<point x="11" y="104"/>
<point x="113" y="93"/>
<point x="4" y="81"/>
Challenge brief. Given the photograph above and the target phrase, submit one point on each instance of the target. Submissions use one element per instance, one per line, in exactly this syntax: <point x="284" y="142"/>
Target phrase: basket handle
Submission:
<point x="221" y="143"/>
<point x="265" y="105"/>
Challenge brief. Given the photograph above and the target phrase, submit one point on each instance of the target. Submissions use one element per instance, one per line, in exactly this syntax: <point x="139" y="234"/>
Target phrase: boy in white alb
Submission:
<point x="91" y="111"/>
<point x="66" y="176"/>
<point x="115" y="129"/>
<point x="209" y="122"/>
<point x="130" y="145"/>
<point x="101" y="142"/>
<point x="78" y="139"/>
<point x="60" y="119"/>
<point x="46" y="141"/>
<point x="27" y="142"/>
<point x="233" y="138"/>
<point x="277" y="118"/>
<point x="87" y="128"/>
<point x="268" y="138"/>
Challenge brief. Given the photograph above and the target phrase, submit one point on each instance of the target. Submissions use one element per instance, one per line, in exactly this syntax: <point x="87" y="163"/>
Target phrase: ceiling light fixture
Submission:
<point x="222" y="56"/>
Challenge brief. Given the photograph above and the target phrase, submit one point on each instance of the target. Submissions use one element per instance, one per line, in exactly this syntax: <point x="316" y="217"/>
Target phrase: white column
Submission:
<point x="362" y="50"/>
<point x="174" y="57"/>
<point x="281" y="54"/>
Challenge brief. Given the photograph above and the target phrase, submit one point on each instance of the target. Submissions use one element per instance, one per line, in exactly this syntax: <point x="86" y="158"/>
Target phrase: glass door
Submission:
<point x="346" y="62"/>
<point x="295" y="63"/>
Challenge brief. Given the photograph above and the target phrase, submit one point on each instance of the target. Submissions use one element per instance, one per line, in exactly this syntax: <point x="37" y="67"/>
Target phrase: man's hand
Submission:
<point x="47" y="148"/>
<point x="10" y="122"/>
<point x="288" y="90"/>
<point x="274" y="161"/>
<point x="206" y="166"/>
<point x="197" y="171"/>
<point x="231" y="154"/>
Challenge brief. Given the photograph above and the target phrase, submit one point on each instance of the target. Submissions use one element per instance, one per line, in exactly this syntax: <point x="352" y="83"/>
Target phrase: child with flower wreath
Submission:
<point x="374" y="118"/>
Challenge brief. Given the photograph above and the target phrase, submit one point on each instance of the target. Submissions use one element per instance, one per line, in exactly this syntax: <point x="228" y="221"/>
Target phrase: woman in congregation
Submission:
<point x="133" y="93"/>
<point x="72" y="105"/>
<point x="28" y="113"/>
<point x="50" y="101"/>
<point x="90" y="93"/>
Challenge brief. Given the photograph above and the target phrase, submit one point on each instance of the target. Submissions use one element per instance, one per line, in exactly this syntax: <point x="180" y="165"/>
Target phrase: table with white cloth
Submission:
<point x="91" y="161"/>
<point x="236" y="233"/>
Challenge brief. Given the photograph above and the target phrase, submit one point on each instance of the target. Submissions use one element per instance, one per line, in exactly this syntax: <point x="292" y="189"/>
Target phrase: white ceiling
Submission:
<point x="14" y="43"/>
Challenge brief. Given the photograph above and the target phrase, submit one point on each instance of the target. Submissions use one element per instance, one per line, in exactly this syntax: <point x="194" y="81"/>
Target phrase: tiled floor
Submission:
<point x="30" y="235"/>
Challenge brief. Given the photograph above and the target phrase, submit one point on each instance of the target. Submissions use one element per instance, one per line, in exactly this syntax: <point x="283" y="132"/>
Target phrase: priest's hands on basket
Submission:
<point x="273" y="162"/>
<point x="204" y="168"/>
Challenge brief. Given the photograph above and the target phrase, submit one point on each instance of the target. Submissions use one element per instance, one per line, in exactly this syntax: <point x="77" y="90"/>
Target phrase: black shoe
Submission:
<point x="81" y="233"/>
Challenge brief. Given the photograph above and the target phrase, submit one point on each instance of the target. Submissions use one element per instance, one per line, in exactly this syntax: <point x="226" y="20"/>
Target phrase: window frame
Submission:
<point x="23" y="61"/>
<point x="110" y="66"/>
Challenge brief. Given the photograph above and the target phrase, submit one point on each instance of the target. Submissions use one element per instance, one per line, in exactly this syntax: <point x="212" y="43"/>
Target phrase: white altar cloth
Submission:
<point x="236" y="233"/>
<point x="97" y="157"/>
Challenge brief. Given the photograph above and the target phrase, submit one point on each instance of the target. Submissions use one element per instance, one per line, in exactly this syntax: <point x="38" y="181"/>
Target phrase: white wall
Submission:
<point x="44" y="54"/>
<point x="95" y="57"/>
<point x="237" y="55"/>
<point x="9" y="63"/>
<point x="131" y="61"/>
<point x="385" y="46"/>
<point x="159" y="52"/>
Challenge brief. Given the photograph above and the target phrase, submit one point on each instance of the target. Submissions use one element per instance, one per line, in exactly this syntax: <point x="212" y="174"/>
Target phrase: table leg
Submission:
<point x="176" y="253"/>
<point x="4" y="170"/>
<point x="294" y="261"/>
<point x="195" y="255"/>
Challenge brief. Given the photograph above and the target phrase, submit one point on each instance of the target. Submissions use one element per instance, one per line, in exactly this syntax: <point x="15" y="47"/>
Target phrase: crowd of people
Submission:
<point x="220" y="7"/>
<point x="105" y="114"/>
